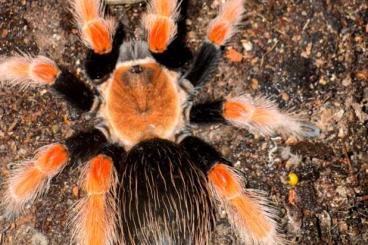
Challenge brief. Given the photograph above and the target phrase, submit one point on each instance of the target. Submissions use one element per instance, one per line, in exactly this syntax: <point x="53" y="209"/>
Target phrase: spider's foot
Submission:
<point x="31" y="179"/>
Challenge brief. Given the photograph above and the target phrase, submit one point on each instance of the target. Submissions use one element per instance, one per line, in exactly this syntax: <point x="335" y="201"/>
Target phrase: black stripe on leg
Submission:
<point x="98" y="66"/>
<point x="84" y="145"/>
<point x="204" y="65"/>
<point x="210" y="112"/>
<point x="203" y="154"/>
<point x="74" y="90"/>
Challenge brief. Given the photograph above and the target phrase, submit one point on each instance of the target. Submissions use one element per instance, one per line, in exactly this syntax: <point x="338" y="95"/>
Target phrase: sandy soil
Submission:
<point x="310" y="56"/>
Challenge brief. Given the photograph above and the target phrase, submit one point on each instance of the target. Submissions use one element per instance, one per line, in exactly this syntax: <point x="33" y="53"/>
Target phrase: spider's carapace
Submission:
<point x="142" y="101"/>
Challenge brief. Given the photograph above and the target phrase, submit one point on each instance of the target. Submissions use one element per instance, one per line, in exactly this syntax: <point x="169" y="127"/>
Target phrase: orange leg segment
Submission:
<point x="95" y="219"/>
<point x="27" y="71"/>
<point x="247" y="210"/>
<point x="96" y="30"/>
<point x="160" y="23"/>
<point x="31" y="179"/>
<point x="223" y="26"/>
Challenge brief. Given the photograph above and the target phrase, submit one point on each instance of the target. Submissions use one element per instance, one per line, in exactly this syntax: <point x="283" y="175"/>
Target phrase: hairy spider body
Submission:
<point x="146" y="179"/>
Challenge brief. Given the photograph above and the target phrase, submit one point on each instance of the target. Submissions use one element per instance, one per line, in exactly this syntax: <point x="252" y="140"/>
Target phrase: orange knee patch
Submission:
<point x="160" y="34"/>
<point x="52" y="159"/>
<point x="224" y="181"/>
<point x="97" y="35"/>
<point x="234" y="109"/>
<point x="99" y="175"/>
<point x="218" y="32"/>
<point x="45" y="72"/>
<point x="222" y="27"/>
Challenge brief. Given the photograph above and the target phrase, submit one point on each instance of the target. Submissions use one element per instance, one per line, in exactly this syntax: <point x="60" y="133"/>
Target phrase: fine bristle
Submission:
<point x="94" y="218"/>
<point x="27" y="71"/>
<point x="224" y="25"/>
<point x="96" y="30"/>
<point x="31" y="178"/>
<point x="262" y="116"/>
<point x="160" y="23"/>
<point x="248" y="211"/>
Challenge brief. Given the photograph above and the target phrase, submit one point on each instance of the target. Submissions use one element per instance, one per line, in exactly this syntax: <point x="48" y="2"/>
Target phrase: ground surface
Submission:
<point x="308" y="55"/>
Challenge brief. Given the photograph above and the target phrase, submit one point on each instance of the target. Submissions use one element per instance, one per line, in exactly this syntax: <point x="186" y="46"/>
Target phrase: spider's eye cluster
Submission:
<point x="136" y="69"/>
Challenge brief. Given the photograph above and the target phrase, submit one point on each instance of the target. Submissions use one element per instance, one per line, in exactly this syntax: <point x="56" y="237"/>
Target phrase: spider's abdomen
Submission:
<point x="164" y="196"/>
<point x="142" y="102"/>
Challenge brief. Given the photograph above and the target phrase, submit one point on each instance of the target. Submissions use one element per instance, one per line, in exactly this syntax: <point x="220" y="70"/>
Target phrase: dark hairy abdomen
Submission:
<point x="164" y="196"/>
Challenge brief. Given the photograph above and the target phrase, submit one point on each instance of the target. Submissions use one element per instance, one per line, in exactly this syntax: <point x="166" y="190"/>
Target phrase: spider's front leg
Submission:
<point x="219" y="31"/>
<point x="166" y="32"/>
<point x="27" y="71"/>
<point x="248" y="210"/>
<point x="101" y="34"/>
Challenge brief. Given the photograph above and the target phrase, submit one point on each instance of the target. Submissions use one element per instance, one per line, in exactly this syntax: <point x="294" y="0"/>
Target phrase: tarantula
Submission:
<point x="146" y="179"/>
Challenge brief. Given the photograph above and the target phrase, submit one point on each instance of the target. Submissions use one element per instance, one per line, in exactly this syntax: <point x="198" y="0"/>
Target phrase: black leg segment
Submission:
<point x="84" y="145"/>
<point x="204" y="65"/>
<point x="201" y="153"/>
<point x="74" y="90"/>
<point x="99" y="66"/>
<point x="208" y="113"/>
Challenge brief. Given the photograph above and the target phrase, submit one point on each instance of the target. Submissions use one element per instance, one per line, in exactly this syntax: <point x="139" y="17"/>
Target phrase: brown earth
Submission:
<point x="307" y="55"/>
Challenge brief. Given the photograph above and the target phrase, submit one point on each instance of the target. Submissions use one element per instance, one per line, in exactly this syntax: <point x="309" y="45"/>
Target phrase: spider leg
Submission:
<point x="95" y="217"/>
<point x="258" y="115"/>
<point x="101" y="34"/>
<point x="27" y="71"/>
<point x="248" y="210"/>
<point x="31" y="178"/>
<point x="160" y="23"/>
<point x="219" y="31"/>
<point x="177" y="52"/>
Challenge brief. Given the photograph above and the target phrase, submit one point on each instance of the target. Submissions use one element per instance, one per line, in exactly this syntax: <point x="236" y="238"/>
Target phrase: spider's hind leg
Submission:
<point x="31" y="178"/>
<point x="95" y="217"/>
<point x="248" y="210"/>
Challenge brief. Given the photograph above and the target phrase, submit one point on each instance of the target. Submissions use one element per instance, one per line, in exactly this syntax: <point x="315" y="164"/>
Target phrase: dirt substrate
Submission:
<point x="310" y="56"/>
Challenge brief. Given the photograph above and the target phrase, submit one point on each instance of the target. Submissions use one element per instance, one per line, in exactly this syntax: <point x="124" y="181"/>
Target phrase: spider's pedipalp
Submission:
<point x="258" y="115"/>
<point x="160" y="23"/>
<point x="248" y="211"/>
<point x="94" y="217"/>
<point x="97" y="31"/>
<point x="224" y="25"/>
<point x="27" y="71"/>
<point x="31" y="178"/>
